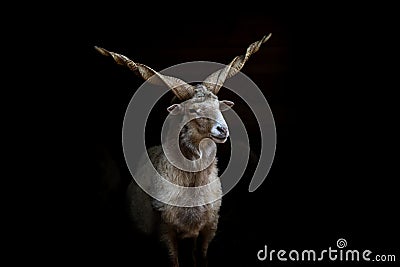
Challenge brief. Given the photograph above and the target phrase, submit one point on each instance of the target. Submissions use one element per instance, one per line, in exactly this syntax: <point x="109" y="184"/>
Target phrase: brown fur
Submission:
<point x="199" y="222"/>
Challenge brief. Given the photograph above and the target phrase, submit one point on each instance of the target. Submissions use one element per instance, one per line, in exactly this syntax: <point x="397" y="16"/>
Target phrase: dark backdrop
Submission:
<point x="322" y="76"/>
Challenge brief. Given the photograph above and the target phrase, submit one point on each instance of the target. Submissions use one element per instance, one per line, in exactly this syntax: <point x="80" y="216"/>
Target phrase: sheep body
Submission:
<point x="146" y="211"/>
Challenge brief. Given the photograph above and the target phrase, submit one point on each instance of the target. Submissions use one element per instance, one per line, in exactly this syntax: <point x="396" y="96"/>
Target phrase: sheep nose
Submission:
<point x="222" y="129"/>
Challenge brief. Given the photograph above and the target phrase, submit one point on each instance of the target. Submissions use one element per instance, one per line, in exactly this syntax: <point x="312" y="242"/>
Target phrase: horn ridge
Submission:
<point x="215" y="81"/>
<point x="180" y="88"/>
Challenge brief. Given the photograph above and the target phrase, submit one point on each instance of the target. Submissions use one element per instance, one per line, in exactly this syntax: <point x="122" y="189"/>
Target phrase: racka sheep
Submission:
<point x="171" y="211"/>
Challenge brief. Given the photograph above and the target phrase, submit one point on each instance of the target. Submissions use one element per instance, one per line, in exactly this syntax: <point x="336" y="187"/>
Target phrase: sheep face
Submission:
<point x="201" y="116"/>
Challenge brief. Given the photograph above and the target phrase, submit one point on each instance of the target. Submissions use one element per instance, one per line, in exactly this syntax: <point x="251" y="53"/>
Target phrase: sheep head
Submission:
<point x="202" y="116"/>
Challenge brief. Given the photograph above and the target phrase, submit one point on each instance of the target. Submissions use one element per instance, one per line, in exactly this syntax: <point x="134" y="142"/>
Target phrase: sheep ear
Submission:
<point x="225" y="105"/>
<point x="175" y="109"/>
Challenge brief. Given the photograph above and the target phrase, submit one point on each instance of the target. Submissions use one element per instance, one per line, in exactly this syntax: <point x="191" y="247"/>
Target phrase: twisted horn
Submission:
<point x="180" y="88"/>
<point x="215" y="81"/>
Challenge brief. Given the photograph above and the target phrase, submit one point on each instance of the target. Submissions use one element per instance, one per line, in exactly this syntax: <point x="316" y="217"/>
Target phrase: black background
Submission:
<point x="327" y="80"/>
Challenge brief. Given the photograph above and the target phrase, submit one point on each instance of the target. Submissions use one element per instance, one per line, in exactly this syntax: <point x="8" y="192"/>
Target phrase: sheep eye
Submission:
<point x="192" y="110"/>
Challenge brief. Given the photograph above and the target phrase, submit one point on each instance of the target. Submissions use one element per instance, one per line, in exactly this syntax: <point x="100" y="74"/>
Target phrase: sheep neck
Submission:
<point x="189" y="146"/>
